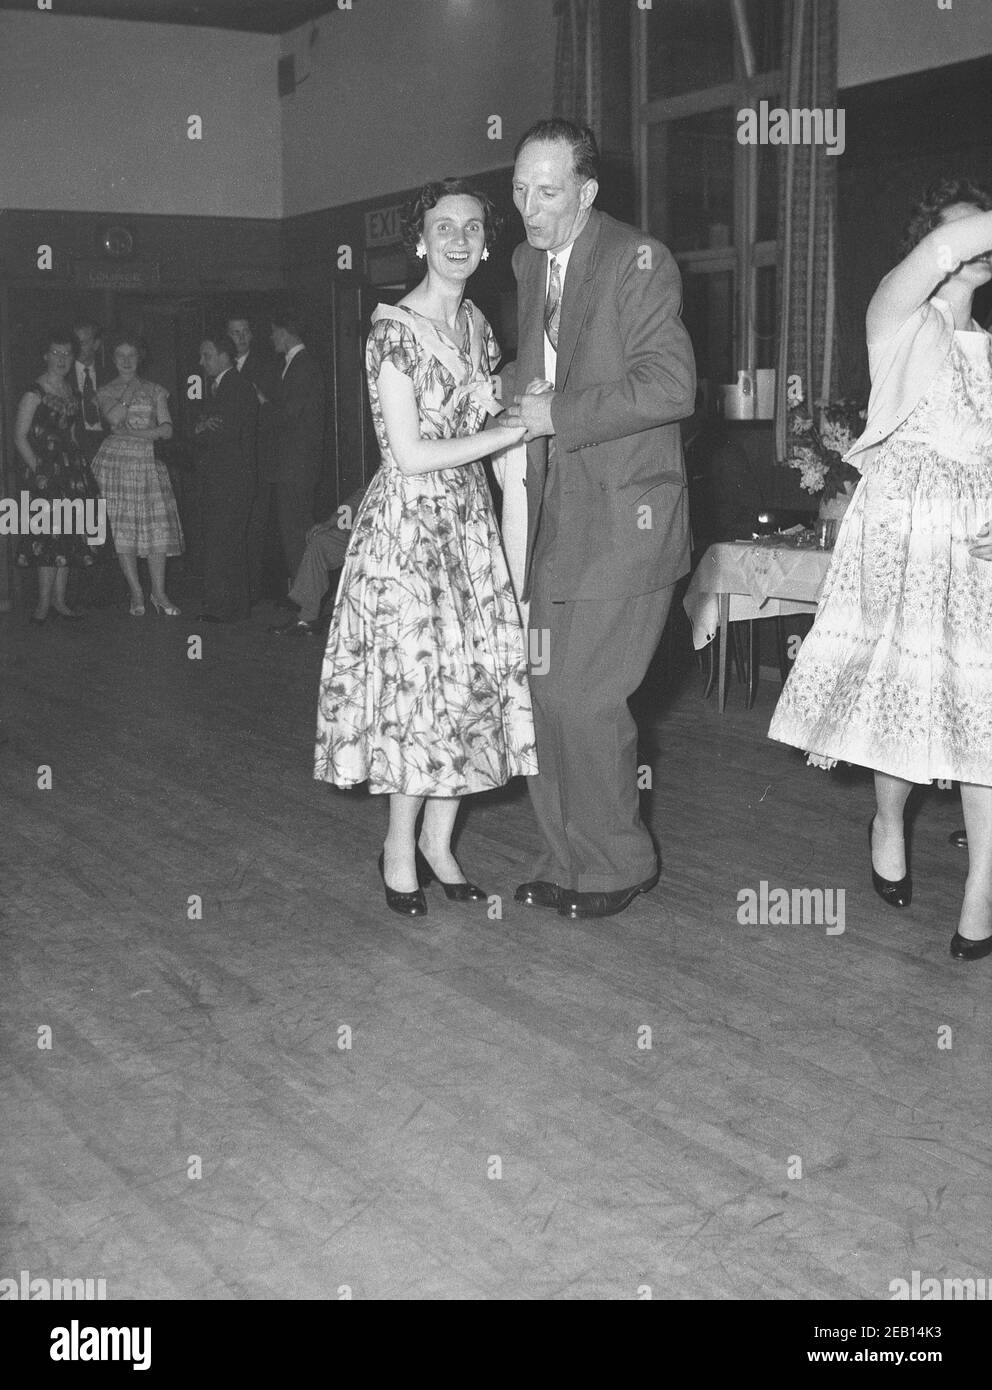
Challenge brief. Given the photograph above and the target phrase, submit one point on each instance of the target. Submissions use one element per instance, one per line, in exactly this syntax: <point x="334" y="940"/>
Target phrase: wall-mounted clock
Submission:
<point x="115" y="241"/>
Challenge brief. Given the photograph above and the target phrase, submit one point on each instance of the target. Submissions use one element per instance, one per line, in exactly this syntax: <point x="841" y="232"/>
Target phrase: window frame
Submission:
<point x="745" y="256"/>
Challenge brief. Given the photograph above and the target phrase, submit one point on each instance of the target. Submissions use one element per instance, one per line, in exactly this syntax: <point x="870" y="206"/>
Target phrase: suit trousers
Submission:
<point x="587" y="658"/>
<point x="324" y="554"/>
<point x="294" y="500"/>
<point x="226" y="506"/>
<point x="258" y="532"/>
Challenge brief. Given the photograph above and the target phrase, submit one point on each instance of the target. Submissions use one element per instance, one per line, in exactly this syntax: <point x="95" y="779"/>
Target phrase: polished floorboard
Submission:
<point x="497" y="1127"/>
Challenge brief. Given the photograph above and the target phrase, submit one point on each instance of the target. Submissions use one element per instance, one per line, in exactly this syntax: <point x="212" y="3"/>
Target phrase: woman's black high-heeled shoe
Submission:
<point x="455" y="892"/>
<point x="963" y="949"/>
<point x="897" y="892"/>
<point x="406" y="904"/>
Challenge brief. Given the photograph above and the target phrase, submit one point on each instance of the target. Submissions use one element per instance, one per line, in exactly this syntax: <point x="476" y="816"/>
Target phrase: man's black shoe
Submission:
<point x="575" y="905"/>
<point x="538" y="893"/>
<point x="296" y="628"/>
<point x="959" y="838"/>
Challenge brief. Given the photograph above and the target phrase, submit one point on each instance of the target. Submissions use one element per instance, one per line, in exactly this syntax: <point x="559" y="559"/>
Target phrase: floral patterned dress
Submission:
<point x="896" y="673"/>
<point x="62" y="472"/>
<point x="424" y="687"/>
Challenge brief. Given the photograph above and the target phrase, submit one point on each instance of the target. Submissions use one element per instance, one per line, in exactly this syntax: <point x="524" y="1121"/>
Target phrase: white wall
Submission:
<point x="93" y="112"/>
<point x="400" y="92"/>
<point x="93" y="117"/>
<point x="878" y="39"/>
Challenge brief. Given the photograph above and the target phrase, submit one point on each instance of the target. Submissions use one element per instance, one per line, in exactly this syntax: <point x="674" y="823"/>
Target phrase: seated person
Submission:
<point x="325" y="550"/>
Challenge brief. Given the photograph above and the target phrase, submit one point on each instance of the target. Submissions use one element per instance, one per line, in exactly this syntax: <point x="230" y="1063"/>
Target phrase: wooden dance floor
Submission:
<point x="494" y="1131"/>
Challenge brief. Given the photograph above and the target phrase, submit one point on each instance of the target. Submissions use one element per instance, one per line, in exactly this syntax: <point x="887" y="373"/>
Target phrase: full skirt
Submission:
<point x="141" y="506"/>
<point x="424" y="686"/>
<point x="896" y="673"/>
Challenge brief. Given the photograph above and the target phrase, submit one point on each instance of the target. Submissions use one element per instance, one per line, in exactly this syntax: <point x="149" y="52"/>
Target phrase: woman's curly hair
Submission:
<point x="926" y="215"/>
<point x="126" y="337"/>
<point x="431" y="194"/>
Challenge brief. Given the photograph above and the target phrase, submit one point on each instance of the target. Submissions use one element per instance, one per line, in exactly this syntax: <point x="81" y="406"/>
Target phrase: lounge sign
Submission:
<point x="101" y="275"/>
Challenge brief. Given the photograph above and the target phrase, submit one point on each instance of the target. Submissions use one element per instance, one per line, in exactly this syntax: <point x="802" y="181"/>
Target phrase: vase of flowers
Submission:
<point x="817" y="447"/>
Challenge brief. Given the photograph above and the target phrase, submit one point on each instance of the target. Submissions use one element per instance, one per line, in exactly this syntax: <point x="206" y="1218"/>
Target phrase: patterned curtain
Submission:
<point x="807" y="215"/>
<point x="578" y="80"/>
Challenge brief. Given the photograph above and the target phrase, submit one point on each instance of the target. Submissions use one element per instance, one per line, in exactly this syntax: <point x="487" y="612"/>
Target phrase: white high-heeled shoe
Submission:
<point x="137" y="610"/>
<point x="168" y="607"/>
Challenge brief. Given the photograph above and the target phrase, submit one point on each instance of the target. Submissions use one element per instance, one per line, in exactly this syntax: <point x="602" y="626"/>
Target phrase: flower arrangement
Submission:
<point x="817" y="447"/>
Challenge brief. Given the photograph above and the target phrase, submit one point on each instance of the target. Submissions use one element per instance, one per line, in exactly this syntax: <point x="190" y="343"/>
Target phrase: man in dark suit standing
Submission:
<point x="299" y="430"/>
<point x="102" y="584"/>
<point x="85" y="379"/>
<point x="608" y="532"/>
<point x="262" y="370"/>
<point x="226" y="434"/>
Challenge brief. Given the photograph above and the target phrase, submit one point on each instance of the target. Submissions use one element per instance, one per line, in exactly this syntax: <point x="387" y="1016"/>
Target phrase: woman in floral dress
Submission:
<point x="896" y="674"/>
<point x="54" y="468"/>
<point x="424" y="689"/>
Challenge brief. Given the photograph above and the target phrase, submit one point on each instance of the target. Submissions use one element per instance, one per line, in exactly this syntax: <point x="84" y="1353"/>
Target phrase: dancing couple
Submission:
<point x="425" y="692"/>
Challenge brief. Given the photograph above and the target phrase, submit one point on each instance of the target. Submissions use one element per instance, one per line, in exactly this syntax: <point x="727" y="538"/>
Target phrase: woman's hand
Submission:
<point x="538" y="386"/>
<point x="981" y="548"/>
<point x="503" y="436"/>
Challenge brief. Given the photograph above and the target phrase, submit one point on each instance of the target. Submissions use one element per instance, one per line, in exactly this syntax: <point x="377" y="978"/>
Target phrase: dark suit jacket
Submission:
<point x="227" y="460"/>
<point x="626" y="376"/>
<point x="90" y="437"/>
<point x="300" y="419"/>
<point x="263" y="373"/>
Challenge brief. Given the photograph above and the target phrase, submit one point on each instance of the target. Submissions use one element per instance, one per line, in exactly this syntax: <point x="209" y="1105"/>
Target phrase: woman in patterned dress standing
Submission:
<point x="424" y="690"/>
<point x="896" y="674"/>
<point x="54" y="469"/>
<point x="141" y="507"/>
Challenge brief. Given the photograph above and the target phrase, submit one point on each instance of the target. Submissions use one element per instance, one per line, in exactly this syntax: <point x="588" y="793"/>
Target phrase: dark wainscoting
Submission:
<point x="188" y="272"/>
<point x="178" y="272"/>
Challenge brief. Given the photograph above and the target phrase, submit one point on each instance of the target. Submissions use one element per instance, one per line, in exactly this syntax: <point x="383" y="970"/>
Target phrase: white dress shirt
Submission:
<point x="291" y="354"/>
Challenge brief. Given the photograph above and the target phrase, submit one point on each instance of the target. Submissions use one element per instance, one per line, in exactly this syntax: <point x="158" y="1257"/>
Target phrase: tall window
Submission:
<point x="711" y="200"/>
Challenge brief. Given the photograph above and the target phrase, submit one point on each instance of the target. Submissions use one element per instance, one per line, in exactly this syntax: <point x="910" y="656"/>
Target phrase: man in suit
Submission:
<point x="102" y="584"/>
<point x="226" y="435"/>
<point x="262" y="370"/>
<point x="608" y="531"/>
<point x="323" y="558"/>
<point x="86" y="378"/>
<point x="299" y="434"/>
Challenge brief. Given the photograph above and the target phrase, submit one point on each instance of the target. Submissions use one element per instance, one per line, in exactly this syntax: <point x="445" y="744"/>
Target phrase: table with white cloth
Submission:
<point x="739" y="581"/>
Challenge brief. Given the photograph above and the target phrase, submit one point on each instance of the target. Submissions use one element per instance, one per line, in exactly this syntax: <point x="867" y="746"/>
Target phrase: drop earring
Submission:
<point x="485" y="254"/>
<point x="421" y="251"/>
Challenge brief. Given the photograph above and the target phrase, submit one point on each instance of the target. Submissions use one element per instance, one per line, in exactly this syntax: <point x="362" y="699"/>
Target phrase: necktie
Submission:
<point x="552" y="305"/>
<point x="91" y="413"/>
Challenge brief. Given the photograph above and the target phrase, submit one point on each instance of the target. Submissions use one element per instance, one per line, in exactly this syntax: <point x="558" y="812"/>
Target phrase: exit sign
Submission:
<point x="383" y="227"/>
